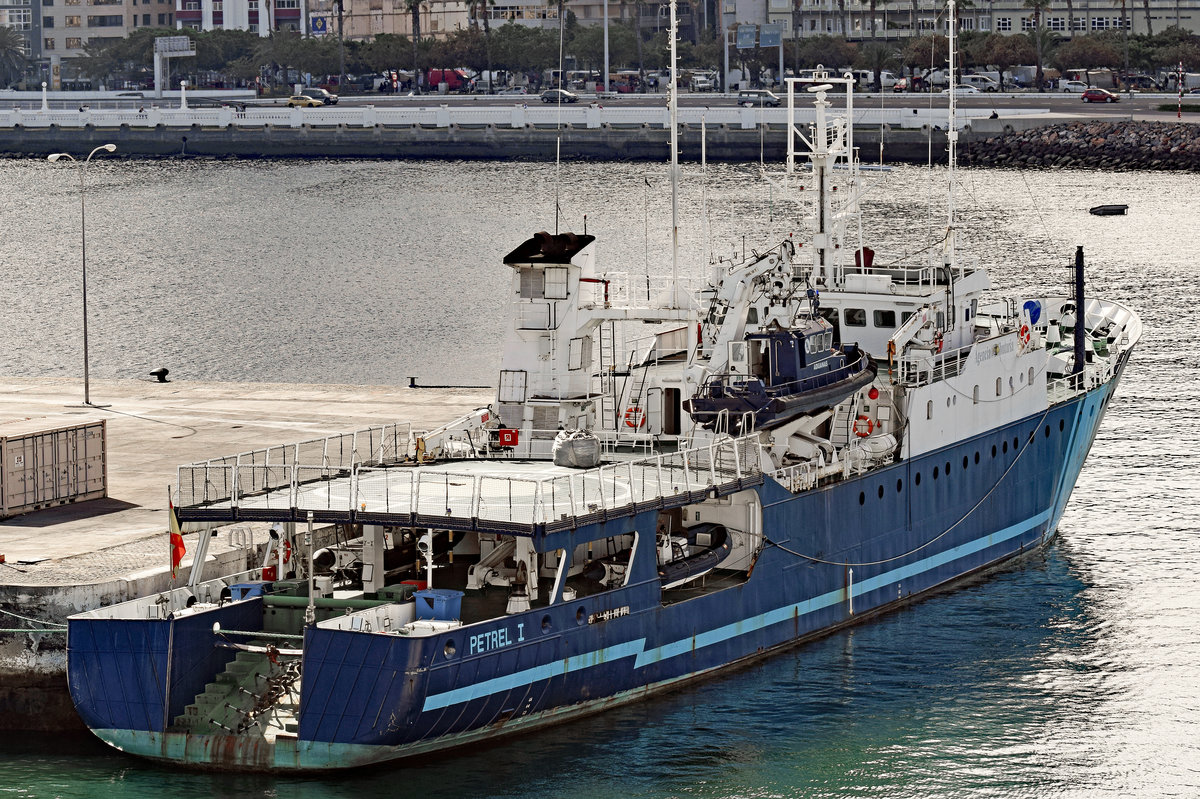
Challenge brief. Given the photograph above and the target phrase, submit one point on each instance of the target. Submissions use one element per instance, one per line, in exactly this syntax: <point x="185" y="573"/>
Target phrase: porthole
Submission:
<point x="966" y="461"/>
<point x="947" y="468"/>
<point x="917" y="479"/>
<point x="977" y="456"/>
<point x="547" y="625"/>
<point x="993" y="450"/>
<point x="899" y="486"/>
<point x="881" y="492"/>
<point x="1047" y="431"/>
<point x="449" y="649"/>
<point x="947" y="402"/>
<point x="1005" y="447"/>
<point x="935" y="472"/>
<point x="1061" y="425"/>
<point x="1016" y="443"/>
<point x="862" y="498"/>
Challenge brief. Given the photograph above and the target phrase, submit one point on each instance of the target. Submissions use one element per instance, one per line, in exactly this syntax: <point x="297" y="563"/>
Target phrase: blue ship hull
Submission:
<point x="835" y="554"/>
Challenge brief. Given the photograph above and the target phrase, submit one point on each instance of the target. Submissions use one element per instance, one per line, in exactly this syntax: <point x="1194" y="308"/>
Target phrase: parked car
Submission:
<point x="559" y="96"/>
<point x="320" y="94"/>
<point x="1072" y="86"/>
<point x="981" y="82"/>
<point x="1099" y="96"/>
<point x="303" y="101"/>
<point x="962" y="89"/>
<point x="758" y="97"/>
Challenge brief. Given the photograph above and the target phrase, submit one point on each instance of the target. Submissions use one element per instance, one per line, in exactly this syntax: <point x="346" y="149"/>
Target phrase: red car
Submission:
<point x="1099" y="96"/>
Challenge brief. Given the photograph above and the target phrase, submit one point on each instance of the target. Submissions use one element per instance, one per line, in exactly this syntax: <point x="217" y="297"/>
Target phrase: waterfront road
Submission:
<point x="1139" y="106"/>
<point x="1135" y="105"/>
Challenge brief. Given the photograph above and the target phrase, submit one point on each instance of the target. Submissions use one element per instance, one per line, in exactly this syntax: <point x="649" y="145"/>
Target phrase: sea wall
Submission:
<point x="640" y="142"/>
<point x="1118" y="145"/>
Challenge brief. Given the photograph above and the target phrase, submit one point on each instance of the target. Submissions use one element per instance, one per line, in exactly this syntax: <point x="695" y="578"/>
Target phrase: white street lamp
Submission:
<point x="87" y="397"/>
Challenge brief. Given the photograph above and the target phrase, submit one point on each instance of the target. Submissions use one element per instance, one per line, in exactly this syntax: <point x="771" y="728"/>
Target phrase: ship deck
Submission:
<point x="501" y="495"/>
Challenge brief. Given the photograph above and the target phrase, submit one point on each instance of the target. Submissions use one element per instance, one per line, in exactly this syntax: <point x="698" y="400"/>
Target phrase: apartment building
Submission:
<point x="857" y="20"/>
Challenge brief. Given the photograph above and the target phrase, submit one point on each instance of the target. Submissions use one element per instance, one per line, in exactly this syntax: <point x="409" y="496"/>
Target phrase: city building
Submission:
<point x="364" y="19"/>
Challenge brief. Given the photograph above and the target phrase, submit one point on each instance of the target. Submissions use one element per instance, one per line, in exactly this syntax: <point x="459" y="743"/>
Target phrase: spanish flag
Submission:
<point x="177" y="548"/>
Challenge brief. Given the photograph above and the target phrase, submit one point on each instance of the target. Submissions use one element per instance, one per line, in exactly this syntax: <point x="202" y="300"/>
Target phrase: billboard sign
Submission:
<point x="770" y="35"/>
<point x="745" y="36"/>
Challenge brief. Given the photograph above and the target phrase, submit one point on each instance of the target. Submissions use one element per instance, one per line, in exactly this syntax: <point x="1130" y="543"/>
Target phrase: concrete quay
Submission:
<point x="74" y="557"/>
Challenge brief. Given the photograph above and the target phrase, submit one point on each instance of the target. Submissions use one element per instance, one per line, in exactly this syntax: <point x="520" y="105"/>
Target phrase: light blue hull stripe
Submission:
<point x="645" y="657"/>
<point x="536" y="674"/>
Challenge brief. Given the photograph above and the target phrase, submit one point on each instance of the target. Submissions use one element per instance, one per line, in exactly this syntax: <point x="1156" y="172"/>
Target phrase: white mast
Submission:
<point x="673" y="104"/>
<point x="951" y="136"/>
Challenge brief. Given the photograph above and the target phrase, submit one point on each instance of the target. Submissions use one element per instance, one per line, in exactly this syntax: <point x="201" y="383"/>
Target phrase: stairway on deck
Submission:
<point x="233" y="702"/>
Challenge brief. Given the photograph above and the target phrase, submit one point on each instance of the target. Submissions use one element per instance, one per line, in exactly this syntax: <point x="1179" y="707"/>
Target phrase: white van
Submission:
<point x="981" y="82"/>
<point x="864" y="80"/>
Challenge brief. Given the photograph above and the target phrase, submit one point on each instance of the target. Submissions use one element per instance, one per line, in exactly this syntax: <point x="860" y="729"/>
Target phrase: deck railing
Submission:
<point x="443" y="492"/>
<point x="522" y="114"/>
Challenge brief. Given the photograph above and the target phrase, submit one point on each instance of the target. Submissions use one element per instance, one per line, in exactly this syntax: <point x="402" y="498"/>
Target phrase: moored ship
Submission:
<point x="483" y="588"/>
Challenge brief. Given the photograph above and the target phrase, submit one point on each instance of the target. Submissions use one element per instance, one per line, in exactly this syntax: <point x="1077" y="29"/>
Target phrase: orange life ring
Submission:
<point x="863" y="432"/>
<point x="1024" y="335"/>
<point x="635" y="417"/>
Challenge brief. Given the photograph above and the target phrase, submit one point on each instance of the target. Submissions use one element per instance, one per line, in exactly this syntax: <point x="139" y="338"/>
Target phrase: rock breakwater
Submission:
<point x="1098" y="145"/>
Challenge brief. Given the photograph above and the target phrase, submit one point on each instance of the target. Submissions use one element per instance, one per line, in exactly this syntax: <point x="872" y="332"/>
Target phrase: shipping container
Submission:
<point x="44" y="463"/>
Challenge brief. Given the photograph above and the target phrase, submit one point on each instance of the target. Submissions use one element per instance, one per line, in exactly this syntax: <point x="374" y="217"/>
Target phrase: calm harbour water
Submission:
<point x="1075" y="674"/>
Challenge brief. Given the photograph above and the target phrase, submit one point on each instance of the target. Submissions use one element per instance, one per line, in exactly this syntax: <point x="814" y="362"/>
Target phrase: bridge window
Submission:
<point x="999" y="386"/>
<point x="885" y="319"/>
<point x="556" y="283"/>
<point x="533" y="284"/>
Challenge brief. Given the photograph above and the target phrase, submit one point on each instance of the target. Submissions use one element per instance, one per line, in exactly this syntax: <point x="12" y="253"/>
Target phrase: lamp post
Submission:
<point x="87" y="397"/>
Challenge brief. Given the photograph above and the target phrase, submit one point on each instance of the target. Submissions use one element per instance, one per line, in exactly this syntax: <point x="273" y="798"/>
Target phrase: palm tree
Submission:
<point x="1146" y="5"/>
<point x="482" y="12"/>
<point x="414" y="6"/>
<point x="12" y="54"/>
<point x="878" y="56"/>
<point x="873" y="4"/>
<point x="1038" y="7"/>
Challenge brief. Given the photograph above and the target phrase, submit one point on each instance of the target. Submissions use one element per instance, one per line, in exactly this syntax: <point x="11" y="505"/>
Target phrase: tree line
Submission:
<point x="235" y="57"/>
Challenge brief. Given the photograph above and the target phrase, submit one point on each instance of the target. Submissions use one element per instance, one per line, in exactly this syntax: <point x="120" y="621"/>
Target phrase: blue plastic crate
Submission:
<point x="439" y="604"/>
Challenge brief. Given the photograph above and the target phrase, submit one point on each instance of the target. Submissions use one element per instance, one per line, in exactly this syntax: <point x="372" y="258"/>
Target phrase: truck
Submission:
<point x="455" y="80"/>
<point x="1169" y="80"/>
<point x="864" y="79"/>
